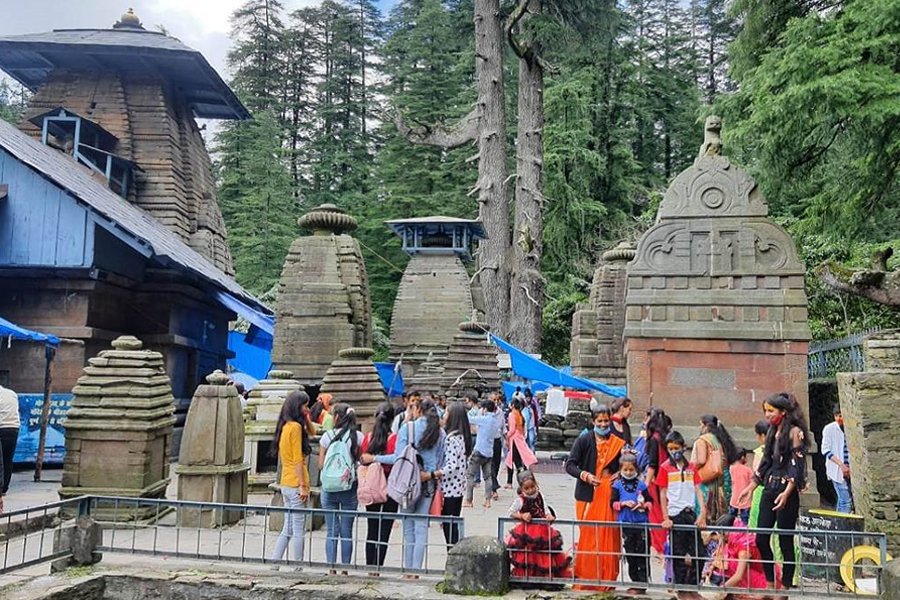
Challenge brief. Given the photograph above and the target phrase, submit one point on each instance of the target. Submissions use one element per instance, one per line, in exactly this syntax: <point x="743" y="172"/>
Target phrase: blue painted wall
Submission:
<point x="40" y="225"/>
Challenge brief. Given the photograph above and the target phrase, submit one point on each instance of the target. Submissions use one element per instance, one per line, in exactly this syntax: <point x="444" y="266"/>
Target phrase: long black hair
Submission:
<point x="713" y="426"/>
<point x="778" y="439"/>
<point x="293" y="410"/>
<point x="345" y="421"/>
<point x="458" y="421"/>
<point x="381" y="431"/>
<point x="432" y="433"/>
<point x="659" y="422"/>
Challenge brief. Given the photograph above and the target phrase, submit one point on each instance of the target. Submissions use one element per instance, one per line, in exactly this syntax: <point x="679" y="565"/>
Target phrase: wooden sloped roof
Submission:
<point x="142" y="229"/>
<point x="31" y="57"/>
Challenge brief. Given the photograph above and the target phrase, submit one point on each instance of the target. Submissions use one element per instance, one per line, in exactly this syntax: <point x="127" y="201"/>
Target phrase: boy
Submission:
<point x="837" y="457"/>
<point x="741" y="475"/>
<point x="679" y="492"/>
<point x="631" y="501"/>
<point x="486" y="424"/>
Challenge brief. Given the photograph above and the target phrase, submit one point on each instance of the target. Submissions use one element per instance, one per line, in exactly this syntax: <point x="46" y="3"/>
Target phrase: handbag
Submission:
<point x="437" y="503"/>
<point x="714" y="467"/>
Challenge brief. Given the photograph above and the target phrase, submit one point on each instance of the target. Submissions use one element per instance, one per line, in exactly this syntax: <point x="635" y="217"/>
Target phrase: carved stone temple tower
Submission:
<point x="434" y="293"/>
<point x="323" y="297"/>
<point x="122" y="101"/>
<point x="716" y="309"/>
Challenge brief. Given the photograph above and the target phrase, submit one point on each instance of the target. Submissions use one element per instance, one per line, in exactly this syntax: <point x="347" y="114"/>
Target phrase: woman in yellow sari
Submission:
<point x="594" y="462"/>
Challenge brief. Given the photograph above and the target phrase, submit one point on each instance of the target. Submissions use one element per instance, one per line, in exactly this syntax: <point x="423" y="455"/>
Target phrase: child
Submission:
<point x="741" y="474"/>
<point x="536" y="548"/>
<point x="631" y="500"/>
<point x="679" y="493"/>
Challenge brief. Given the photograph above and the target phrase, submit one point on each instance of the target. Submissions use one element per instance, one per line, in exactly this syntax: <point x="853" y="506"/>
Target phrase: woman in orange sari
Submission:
<point x="594" y="461"/>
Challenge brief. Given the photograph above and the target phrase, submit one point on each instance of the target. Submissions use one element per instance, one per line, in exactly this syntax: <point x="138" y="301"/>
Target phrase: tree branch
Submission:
<point x="879" y="286"/>
<point x="462" y="132"/>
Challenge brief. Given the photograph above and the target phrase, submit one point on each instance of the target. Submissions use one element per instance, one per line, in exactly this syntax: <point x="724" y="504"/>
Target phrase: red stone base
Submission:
<point x="731" y="379"/>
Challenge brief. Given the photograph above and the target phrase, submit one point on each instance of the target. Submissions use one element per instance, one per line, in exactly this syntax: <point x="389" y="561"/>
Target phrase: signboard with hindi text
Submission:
<point x="30" y="406"/>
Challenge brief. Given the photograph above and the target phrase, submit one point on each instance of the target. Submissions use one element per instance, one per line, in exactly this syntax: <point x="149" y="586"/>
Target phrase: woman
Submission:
<point x="340" y="526"/>
<point x="322" y="413"/>
<point x="519" y="456"/>
<point x="741" y="557"/>
<point x="782" y="474"/>
<point x="594" y="461"/>
<point x="291" y="446"/>
<point x="430" y="442"/>
<point x="380" y="442"/>
<point x="621" y="409"/>
<point x="712" y="454"/>
<point x="456" y="457"/>
<point x="760" y="429"/>
<point x="530" y="426"/>
<point x="658" y="427"/>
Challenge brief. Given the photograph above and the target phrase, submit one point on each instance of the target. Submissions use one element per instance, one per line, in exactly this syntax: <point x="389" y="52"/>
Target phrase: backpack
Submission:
<point x="404" y="484"/>
<point x="338" y="471"/>
<point x="372" y="484"/>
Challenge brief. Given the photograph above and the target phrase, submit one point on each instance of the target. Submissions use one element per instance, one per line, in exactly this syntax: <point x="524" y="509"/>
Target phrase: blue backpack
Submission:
<point x="339" y="469"/>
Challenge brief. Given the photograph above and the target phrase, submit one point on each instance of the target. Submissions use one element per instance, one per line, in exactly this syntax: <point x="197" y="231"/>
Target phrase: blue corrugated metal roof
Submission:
<point x="166" y="247"/>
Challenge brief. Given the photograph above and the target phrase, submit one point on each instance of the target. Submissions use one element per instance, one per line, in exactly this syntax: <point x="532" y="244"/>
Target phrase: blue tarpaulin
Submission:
<point x="509" y="387"/>
<point x="264" y="321"/>
<point x="530" y="368"/>
<point x="391" y="378"/>
<point x="11" y="330"/>
<point x="249" y="357"/>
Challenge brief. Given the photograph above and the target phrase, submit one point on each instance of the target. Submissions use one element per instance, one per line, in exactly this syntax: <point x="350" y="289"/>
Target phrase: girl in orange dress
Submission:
<point x="594" y="461"/>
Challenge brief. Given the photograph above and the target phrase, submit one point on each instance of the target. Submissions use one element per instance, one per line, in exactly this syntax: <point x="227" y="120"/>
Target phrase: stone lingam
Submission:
<point x="471" y="361"/>
<point x="119" y="430"/>
<point x="211" y="462"/>
<point x="353" y="378"/>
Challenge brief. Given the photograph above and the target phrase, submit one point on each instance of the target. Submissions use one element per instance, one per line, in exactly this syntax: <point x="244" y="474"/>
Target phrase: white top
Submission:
<point x="833" y="441"/>
<point x="328" y="436"/>
<point x="453" y="483"/>
<point x="9" y="409"/>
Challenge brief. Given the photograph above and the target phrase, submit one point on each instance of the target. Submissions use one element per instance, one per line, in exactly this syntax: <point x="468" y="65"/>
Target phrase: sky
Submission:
<point x="201" y="24"/>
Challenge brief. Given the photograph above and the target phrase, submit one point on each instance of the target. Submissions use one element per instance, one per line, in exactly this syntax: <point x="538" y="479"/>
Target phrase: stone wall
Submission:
<point x="869" y="405"/>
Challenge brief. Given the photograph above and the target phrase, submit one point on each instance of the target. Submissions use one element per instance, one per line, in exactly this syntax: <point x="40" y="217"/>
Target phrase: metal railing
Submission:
<point x="172" y="528"/>
<point x="841" y="355"/>
<point x="28" y="534"/>
<point x="834" y="563"/>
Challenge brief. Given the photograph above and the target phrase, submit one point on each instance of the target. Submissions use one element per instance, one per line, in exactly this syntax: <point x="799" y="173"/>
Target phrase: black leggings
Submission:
<point x="379" y="532"/>
<point x="517" y="462"/>
<point x="9" y="436"/>
<point x="786" y="518"/>
<point x="495" y="463"/>
<point x="452" y="508"/>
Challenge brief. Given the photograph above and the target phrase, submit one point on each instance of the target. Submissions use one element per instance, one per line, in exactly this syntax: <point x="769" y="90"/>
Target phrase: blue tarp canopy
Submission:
<point x="530" y="368"/>
<point x="11" y="330"/>
<point x="252" y="354"/>
<point x="391" y="378"/>
<point x="260" y="319"/>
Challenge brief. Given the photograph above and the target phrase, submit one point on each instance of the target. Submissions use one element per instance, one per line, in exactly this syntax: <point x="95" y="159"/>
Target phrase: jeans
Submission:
<point x="339" y="526"/>
<point x="294" y="529"/>
<point x="844" y="499"/>
<point x="479" y="463"/>
<point x="9" y="436"/>
<point x="415" y="533"/>
<point x="743" y="513"/>
<point x="786" y="518"/>
<point x="379" y="531"/>
<point x="637" y="553"/>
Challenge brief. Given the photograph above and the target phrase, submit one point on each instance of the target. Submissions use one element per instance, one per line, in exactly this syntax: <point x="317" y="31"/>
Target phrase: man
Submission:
<point x="837" y="460"/>
<point x="9" y="435"/>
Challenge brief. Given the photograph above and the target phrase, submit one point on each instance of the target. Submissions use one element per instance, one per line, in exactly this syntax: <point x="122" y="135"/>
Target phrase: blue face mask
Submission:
<point x="677" y="455"/>
<point x="601" y="431"/>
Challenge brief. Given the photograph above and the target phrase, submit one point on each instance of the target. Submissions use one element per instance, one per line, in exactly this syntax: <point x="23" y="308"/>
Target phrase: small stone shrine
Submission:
<point x="716" y="309"/>
<point x="323" y="297"/>
<point x="435" y="293"/>
<point x="353" y="378"/>
<point x="119" y="429"/>
<point x="597" y="348"/>
<point x="211" y="461"/>
<point x="260" y="418"/>
<point x="869" y="406"/>
<point x="429" y="377"/>
<point x="471" y="361"/>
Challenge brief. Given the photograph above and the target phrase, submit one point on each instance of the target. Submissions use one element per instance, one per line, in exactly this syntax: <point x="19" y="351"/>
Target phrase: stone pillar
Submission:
<point x="597" y="349"/>
<point x="323" y="297"/>
<point x="260" y="418"/>
<point x="353" y="378"/>
<point x="716" y="309"/>
<point x="119" y="429"/>
<point x="429" y="377"/>
<point x="869" y="404"/>
<point x="471" y="361"/>
<point x="211" y="462"/>
<point x="433" y="297"/>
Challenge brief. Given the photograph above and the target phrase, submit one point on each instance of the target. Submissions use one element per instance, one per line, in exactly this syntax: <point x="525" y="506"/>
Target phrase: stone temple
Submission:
<point x="323" y="301"/>
<point x="435" y="293"/>
<point x="716" y="309"/>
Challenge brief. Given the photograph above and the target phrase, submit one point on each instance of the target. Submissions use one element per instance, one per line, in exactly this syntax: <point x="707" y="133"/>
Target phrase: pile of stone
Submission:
<point x="119" y="430"/>
<point x="260" y="418"/>
<point x="577" y="420"/>
<point x="550" y="435"/>
<point x="353" y="378"/>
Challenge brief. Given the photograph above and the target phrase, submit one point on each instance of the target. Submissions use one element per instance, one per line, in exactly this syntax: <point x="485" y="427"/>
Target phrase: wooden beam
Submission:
<point x="4" y="191"/>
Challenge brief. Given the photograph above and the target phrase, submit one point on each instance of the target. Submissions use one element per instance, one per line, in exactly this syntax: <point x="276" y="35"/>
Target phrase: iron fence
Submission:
<point x="833" y="563"/>
<point x="28" y="534"/>
<point x="842" y="355"/>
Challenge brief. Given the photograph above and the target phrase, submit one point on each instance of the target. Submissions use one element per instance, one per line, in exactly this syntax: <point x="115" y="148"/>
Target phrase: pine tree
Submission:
<point x="13" y="100"/>
<point x="256" y="57"/>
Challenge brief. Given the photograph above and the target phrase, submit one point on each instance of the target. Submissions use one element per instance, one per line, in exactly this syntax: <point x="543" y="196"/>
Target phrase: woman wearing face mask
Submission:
<point x="594" y="461"/>
<point x="713" y="453"/>
<point x="782" y="473"/>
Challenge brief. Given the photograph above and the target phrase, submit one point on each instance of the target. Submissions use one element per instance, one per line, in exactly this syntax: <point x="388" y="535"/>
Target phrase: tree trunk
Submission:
<point x="527" y="288"/>
<point x="493" y="253"/>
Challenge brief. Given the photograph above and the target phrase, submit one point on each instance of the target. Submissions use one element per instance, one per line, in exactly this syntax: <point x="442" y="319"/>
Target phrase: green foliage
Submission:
<point x="563" y="297"/>
<point x="13" y="100"/>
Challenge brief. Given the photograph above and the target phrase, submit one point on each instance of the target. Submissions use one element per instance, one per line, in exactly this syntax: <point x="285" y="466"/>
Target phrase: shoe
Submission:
<point x="344" y="573"/>
<point x="374" y="574"/>
<point x="332" y="572"/>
